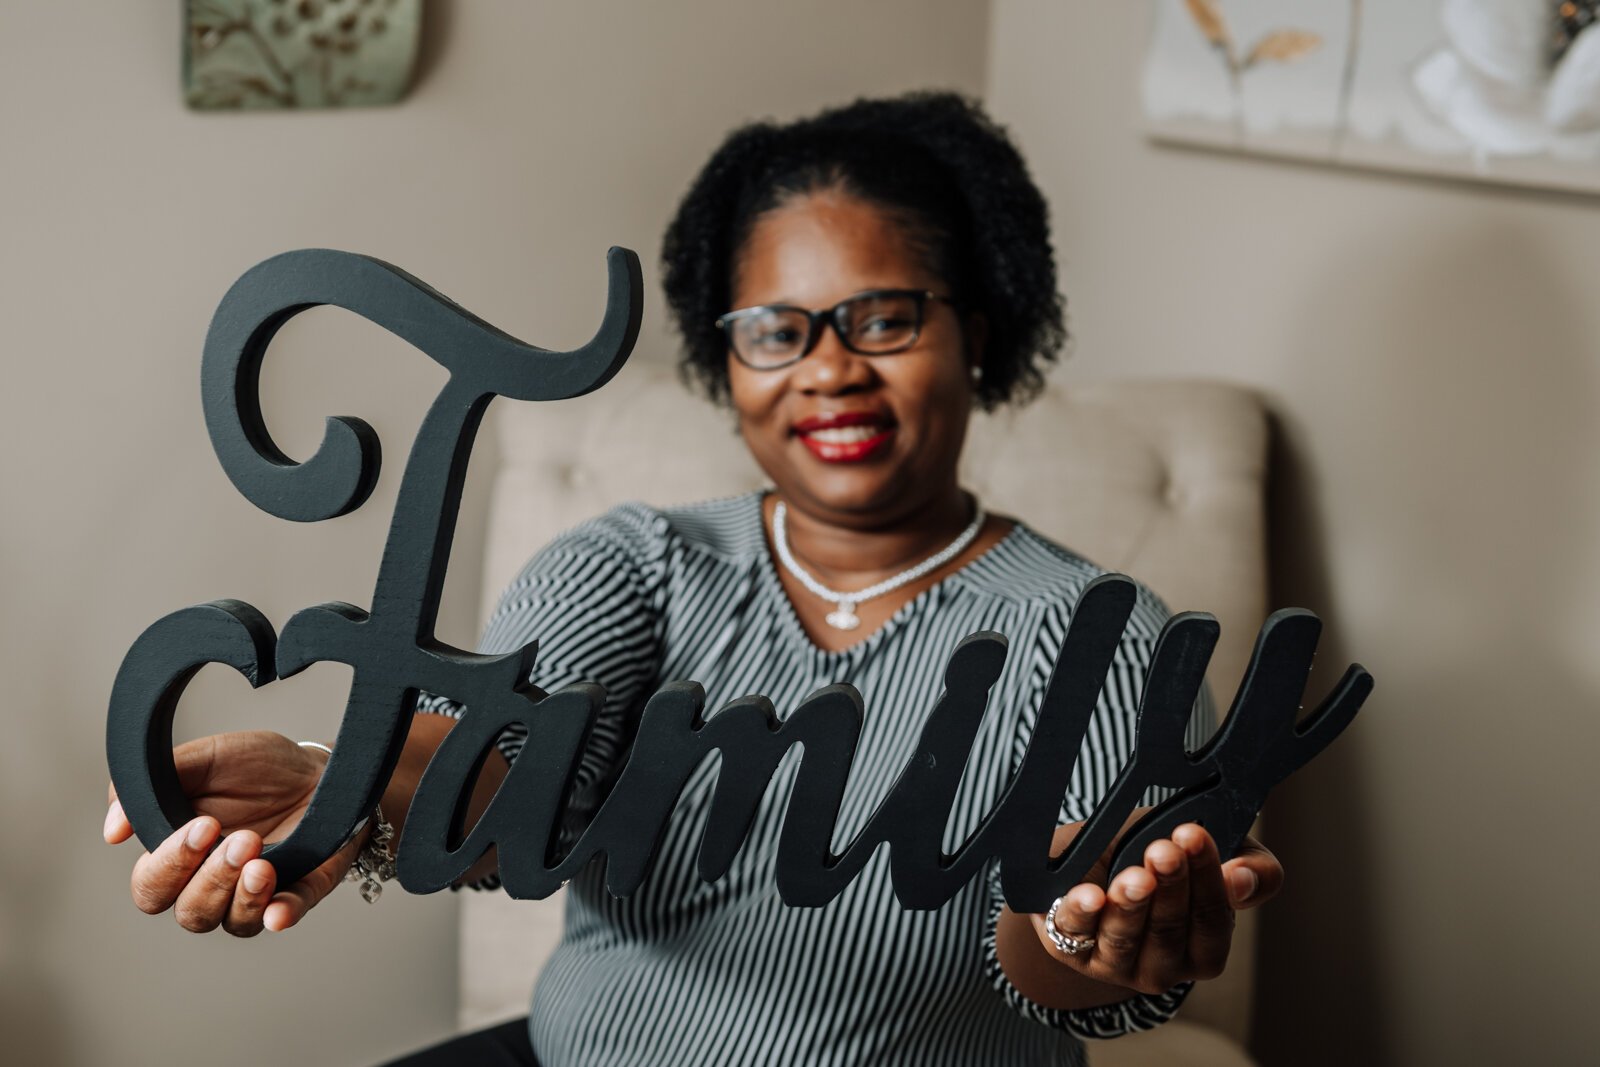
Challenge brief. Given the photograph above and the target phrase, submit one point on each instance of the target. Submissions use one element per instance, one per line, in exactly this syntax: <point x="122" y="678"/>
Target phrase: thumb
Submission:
<point x="290" y="905"/>
<point x="1254" y="875"/>
<point x="117" y="828"/>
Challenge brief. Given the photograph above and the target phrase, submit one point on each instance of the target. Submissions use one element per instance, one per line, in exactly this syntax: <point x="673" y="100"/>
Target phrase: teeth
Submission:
<point x="845" y="435"/>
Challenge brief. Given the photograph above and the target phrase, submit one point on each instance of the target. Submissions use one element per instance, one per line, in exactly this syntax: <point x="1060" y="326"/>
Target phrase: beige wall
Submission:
<point x="1432" y="353"/>
<point x="541" y="134"/>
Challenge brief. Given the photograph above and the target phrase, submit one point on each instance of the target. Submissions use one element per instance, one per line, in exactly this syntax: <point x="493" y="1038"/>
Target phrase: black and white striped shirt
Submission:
<point x="695" y="973"/>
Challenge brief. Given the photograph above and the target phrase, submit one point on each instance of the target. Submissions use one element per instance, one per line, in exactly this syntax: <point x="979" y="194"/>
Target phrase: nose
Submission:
<point x="832" y="369"/>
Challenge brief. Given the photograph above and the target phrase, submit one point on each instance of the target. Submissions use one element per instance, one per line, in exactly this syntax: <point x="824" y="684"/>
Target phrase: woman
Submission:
<point x="853" y="285"/>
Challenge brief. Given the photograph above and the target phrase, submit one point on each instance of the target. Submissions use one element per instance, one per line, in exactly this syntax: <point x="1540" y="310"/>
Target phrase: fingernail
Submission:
<point x="1135" y="891"/>
<point x="111" y="816"/>
<point x="1244" y="883"/>
<point x="201" y="834"/>
<point x="254" y="880"/>
<point x="236" y="851"/>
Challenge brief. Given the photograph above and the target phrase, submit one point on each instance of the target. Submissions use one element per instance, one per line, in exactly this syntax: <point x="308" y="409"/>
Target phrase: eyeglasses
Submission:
<point x="875" y="323"/>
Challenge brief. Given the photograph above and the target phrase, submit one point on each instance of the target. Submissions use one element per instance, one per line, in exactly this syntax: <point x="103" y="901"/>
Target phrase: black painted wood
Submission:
<point x="391" y="647"/>
<point x="394" y="654"/>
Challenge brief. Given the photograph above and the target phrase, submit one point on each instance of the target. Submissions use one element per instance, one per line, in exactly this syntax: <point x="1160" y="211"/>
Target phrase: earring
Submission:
<point x="976" y="374"/>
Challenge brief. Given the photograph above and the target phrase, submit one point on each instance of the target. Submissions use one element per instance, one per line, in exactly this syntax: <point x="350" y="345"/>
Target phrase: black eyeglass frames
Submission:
<point x="878" y="322"/>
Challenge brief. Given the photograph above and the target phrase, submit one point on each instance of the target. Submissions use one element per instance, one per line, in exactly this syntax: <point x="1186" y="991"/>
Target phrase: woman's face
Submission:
<point x="859" y="441"/>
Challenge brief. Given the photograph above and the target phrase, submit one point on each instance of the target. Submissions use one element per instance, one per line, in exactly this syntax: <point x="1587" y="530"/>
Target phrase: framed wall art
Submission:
<point x="252" y="54"/>
<point x="1498" y="90"/>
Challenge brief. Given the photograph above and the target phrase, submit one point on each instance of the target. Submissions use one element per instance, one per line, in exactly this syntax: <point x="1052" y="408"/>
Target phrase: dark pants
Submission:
<point x="505" y="1045"/>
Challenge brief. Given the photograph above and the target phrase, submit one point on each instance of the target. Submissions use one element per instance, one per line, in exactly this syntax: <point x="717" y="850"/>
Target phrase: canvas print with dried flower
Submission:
<point x="1502" y="90"/>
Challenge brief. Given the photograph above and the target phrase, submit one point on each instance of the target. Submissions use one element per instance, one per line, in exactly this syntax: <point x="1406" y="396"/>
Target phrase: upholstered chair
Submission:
<point x="1161" y="480"/>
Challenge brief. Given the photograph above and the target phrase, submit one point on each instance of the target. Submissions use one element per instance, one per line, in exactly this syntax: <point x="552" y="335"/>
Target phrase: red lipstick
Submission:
<point x="845" y="436"/>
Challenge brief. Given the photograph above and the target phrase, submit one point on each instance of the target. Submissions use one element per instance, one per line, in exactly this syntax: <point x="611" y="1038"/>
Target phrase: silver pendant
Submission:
<point x="844" y="617"/>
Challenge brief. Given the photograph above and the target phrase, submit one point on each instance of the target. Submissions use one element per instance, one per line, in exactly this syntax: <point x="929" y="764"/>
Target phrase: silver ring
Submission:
<point x="1068" y="943"/>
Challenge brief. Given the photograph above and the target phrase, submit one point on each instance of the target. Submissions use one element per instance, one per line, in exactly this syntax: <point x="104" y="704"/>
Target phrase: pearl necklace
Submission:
<point x="844" y="617"/>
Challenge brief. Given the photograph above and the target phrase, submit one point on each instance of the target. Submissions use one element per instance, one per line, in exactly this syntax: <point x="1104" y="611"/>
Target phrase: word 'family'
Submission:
<point x="394" y="656"/>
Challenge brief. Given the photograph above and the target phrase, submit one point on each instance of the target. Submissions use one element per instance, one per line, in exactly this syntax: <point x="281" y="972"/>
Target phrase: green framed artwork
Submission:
<point x="249" y="54"/>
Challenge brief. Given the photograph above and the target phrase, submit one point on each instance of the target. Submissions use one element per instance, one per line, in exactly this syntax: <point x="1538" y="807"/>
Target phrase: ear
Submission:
<point x="975" y="332"/>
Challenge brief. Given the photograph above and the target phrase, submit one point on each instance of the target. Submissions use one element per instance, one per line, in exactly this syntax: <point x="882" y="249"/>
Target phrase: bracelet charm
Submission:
<point x="375" y="863"/>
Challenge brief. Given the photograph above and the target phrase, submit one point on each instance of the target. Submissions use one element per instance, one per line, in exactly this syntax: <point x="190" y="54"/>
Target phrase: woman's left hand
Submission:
<point x="1167" y="921"/>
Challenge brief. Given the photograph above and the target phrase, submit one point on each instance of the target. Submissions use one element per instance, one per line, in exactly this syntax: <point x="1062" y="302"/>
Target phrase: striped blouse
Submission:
<point x="695" y="973"/>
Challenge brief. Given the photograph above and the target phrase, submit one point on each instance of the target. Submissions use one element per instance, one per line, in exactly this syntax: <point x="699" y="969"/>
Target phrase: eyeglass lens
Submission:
<point x="872" y="323"/>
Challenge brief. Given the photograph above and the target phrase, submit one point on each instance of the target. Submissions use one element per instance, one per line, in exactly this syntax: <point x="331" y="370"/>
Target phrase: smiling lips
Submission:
<point x="845" y="436"/>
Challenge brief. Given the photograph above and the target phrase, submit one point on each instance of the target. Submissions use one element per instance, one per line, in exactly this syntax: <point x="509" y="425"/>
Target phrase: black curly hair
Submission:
<point x="937" y="161"/>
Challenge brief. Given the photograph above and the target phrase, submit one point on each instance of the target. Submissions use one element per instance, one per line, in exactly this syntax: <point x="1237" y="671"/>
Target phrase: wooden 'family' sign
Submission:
<point x="395" y="655"/>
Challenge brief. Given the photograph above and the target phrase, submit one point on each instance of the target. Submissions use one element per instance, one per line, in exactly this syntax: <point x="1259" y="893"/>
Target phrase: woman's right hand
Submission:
<point x="253" y="787"/>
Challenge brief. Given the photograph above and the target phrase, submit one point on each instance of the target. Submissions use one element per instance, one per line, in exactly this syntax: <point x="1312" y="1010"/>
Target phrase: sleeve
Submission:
<point x="1106" y="747"/>
<point x="592" y="599"/>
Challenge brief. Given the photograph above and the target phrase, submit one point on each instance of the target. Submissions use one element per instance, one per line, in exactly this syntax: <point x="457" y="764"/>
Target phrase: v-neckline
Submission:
<point x="791" y="616"/>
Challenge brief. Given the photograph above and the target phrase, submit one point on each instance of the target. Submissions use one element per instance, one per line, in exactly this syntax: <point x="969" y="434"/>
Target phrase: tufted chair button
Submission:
<point x="1173" y="493"/>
